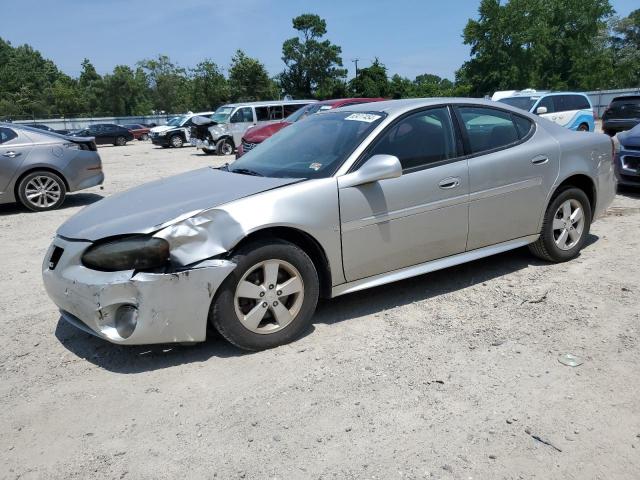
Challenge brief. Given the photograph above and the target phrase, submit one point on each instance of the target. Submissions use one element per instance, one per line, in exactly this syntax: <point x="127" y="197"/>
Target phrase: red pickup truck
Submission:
<point x="255" y="136"/>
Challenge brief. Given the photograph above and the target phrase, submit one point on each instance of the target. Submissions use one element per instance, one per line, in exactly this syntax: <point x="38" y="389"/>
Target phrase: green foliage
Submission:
<point x="550" y="44"/>
<point x="209" y="88"/>
<point x="371" y="81"/>
<point x="168" y="83"/>
<point x="249" y="80"/>
<point x="313" y="66"/>
<point x="625" y="42"/>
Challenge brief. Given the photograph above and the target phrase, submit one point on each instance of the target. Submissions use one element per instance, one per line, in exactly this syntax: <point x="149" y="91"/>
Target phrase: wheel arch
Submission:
<point x="305" y="242"/>
<point x="583" y="182"/>
<point x="33" y="169"/>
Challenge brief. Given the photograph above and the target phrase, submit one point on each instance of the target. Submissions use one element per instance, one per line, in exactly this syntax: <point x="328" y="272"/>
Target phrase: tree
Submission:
<point x="169" y="84"/>
<point x="209" y="88"/>
<point x="543" y="44"/>
<point x="91" y="88"/>
<point x="126" y="92"/>
<point x="249" y="80"/>
<point x="371" y="81"/>
<point x="625" y="42"/>
<point x="313" y="66"/>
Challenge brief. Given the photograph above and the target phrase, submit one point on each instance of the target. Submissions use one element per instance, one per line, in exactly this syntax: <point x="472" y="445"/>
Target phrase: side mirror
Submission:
<point x="541" y="110"/>
<point x="378" y="167"/>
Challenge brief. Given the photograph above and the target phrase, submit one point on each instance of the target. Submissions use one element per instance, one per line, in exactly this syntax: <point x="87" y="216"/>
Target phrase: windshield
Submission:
<point x="222" y="115"/>
<point x="176" y="121"/>
<point x="314" y="148"/>
<point x="304" y="112"/>
<point x="524" y="103"/>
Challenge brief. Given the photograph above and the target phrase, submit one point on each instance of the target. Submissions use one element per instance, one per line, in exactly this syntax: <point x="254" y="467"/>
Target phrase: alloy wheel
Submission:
<point x="269" y="296"/>
<point x="568" y="224"/>
<point x="43" y="191"/>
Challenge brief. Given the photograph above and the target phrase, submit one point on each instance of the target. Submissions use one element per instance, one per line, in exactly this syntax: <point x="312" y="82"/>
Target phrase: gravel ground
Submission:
<point x="454" y="374"/>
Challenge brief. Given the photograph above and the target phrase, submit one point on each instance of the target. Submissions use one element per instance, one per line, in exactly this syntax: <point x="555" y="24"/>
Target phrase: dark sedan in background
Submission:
<point x="623" y="113"/>
<point x="628" y="158"/>
<point x="106" y="134"/>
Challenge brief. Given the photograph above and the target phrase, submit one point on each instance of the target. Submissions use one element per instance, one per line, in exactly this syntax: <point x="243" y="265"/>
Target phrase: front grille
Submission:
<point x="632" y="147"/>
<point x="246" y="146"/>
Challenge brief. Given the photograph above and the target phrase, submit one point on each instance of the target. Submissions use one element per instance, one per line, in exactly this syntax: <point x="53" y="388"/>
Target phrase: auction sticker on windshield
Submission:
<point x="363" y="117"/>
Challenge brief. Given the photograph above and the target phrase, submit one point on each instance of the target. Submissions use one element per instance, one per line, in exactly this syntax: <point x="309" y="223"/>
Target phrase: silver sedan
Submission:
<point x="346" y="200"/>
<point x="38" y="168"/>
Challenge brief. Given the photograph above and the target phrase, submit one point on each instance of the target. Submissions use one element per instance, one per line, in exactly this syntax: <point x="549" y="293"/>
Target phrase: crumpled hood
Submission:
<point x="146" y="208"/>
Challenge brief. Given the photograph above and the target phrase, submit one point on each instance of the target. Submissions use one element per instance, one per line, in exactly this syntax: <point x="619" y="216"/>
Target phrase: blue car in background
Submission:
<point x="627" y="159"/>
<point x="571" y="110"/>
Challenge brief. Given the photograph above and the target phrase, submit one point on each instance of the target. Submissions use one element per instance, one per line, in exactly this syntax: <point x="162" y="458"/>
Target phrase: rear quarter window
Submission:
<point x="6" y="135"/>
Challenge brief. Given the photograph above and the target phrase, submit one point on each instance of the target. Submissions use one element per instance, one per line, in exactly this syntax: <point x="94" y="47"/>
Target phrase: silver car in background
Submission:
<point x="349" y="199"/>
<point x="38" y="168"/>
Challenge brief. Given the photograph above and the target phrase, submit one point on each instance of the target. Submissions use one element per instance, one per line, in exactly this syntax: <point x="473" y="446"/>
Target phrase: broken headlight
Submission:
<point x="130" y="253"/>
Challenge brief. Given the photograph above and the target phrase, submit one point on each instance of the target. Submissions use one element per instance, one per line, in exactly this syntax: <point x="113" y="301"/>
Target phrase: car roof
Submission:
<point x="398" y="107"/>
<point x="626" y="97"/>
<point x="338" y="101"/>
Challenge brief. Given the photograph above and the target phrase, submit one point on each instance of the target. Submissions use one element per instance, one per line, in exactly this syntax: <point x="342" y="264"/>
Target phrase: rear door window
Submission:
<point x="290" y="108"/>
<point x="262" y="114"/>
<point x="488" y="129"/>
<point x="275" y="112"/>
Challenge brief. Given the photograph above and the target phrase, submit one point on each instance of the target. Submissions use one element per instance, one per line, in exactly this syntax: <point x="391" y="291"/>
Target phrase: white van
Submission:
<point x="223" y="131"/>
<point x="572" y="110"/>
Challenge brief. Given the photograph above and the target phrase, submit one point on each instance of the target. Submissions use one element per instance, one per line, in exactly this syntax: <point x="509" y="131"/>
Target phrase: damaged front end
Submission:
<point x="132" y="306"/>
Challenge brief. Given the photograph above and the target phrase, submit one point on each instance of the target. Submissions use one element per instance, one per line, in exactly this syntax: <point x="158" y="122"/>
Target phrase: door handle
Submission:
<point x="541" y="160"/>
<point x="448" y="183"/>
<point x="11" y="154"/>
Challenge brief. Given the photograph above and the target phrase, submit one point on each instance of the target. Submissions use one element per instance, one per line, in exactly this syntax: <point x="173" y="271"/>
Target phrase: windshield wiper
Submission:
<point x="246" y="171"/>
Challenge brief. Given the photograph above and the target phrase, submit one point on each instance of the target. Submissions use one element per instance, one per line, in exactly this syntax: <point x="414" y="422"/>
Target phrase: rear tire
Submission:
<point x="565" y="228"/>
<point x="41" y="190"/>
<point x="583" y="127"/>
<point x="120" y="141"/>
<point x="253" y="309"/>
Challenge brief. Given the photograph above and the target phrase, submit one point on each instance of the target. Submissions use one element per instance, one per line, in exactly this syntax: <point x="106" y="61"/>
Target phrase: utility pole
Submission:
<point x="356" y="60"/>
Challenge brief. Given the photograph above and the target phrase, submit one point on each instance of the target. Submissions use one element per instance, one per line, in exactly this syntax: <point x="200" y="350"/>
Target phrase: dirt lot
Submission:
<point x="450" y="375"/>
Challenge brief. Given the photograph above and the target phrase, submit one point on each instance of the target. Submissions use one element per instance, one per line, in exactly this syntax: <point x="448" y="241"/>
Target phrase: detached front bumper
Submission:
<point x="171" y="307"/>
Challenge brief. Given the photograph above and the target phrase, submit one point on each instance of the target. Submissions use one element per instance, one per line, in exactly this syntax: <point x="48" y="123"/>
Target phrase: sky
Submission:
<point x="410" y="37"/>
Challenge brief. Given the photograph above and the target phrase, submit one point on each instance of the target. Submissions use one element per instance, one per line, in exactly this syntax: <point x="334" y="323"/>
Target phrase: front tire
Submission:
<point x="565" y="228"/>
<point x="176" y="141"/>
<point x="224" y="147"/>
<point x="270" y="297"/>
<point x="144" y="137"/>
<point x="583" y="127"/>
<point x="41" y="190"/>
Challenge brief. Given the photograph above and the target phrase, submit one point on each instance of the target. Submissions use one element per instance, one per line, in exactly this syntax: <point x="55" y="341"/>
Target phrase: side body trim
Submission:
<point x="431" y="266"/>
